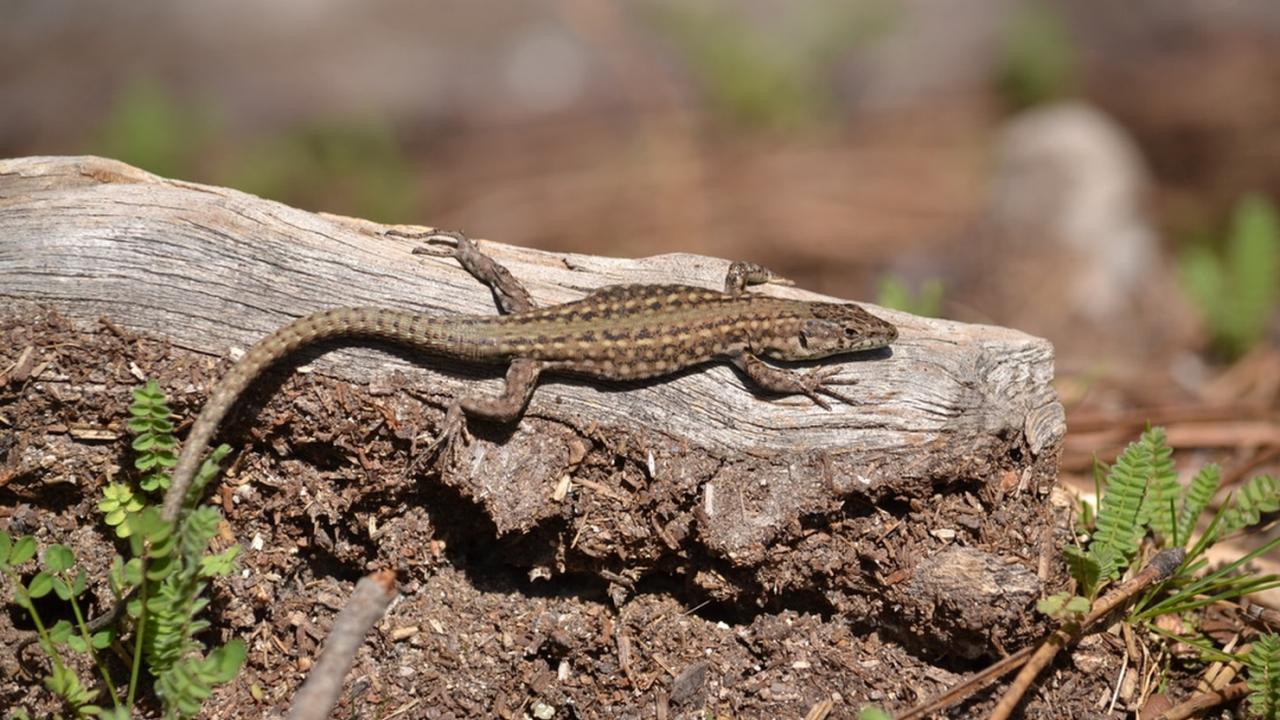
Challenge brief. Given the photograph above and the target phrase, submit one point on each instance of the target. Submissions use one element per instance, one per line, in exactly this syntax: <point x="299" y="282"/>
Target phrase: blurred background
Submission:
<point x="1102" y="174"/>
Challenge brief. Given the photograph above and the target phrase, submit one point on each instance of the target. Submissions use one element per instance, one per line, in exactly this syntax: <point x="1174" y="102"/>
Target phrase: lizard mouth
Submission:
<point x="881" y="337"/>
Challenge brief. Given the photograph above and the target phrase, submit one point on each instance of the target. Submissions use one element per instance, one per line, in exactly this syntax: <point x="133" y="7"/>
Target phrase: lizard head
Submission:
<point x="819" y="330"/>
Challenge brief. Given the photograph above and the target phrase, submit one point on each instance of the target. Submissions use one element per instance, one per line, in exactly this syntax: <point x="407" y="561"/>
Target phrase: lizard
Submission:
<point x="619" y="332"/>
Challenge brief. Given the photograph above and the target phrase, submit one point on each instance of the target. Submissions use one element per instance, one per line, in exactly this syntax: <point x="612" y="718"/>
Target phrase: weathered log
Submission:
<point x="953" y="411"/>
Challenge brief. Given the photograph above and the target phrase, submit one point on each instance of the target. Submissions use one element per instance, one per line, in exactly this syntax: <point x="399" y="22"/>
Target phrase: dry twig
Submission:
<point x="318" y="695"/>
<point x="1161" y="566"/>
<point x="1205" y="701"/>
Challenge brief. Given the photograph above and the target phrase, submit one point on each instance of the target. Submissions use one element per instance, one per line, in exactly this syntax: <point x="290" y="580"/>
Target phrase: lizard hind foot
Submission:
<point x="743" y="273"/>
<point x="453" y="429"/>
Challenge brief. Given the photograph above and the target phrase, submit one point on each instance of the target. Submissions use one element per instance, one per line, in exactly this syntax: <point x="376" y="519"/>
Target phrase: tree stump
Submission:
<point x="917" y="513"/>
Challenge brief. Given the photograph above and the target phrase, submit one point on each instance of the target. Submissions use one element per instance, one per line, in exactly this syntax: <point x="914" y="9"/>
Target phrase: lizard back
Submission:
<point x="628" y="332"/>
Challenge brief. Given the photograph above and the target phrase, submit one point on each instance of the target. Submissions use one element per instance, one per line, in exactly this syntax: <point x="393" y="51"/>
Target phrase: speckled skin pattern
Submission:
<point x="623" y="332"/>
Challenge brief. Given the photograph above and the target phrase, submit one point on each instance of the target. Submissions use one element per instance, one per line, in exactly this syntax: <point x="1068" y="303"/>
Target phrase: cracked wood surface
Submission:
<point x="212" y="269"/>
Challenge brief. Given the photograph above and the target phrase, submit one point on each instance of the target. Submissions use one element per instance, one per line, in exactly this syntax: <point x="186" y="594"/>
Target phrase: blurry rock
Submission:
<point x="1067" y="220"/>
<point x="1069" y="176"/>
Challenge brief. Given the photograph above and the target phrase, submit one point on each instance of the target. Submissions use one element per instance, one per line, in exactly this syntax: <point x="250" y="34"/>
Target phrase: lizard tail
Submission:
<point x="425" y="332"/>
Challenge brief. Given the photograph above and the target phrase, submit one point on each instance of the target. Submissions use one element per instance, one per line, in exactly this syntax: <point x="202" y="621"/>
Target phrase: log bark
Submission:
<point x="953" y="408"/>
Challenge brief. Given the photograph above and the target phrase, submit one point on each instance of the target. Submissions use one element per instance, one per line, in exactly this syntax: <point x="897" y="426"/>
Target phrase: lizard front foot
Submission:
<point x="512" y="297"/>
<point x="820" y="380"/>
<point x="440" y="243"/>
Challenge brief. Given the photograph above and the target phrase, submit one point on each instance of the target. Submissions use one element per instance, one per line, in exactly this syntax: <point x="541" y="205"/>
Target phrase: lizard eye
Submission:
<point x="850" y="332"/>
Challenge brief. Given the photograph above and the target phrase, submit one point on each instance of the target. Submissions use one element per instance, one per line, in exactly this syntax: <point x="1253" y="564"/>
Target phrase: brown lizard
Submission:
<point x="622" y="332"/>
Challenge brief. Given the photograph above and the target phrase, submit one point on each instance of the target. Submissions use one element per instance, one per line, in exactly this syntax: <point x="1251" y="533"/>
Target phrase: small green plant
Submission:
<point x="926" y="300"/>
<point x="54" y="576"/>
<point x="342" y="165"/>
<point x="1263" y="662"/>
<point x="118" y="501"/>
<point x="150" y="128"/>
<point x="170" y="568"/>
<point x="1037" y="63"/>
<point x="153" y="438"/>
<point x="1237" y="292"/>
<point x="1142" y="505"/>
<point x="758" y="76"/>
<point x="872" y="712"/>
<point x="1136" y="496"/>
<point x="356" y="165"/>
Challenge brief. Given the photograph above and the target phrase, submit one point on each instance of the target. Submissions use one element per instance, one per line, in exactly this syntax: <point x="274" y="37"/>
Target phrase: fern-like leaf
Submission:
<point x="1127" y="503"/>
<point x="1260" y="495"/>
<point x="177" y="603"/>
<point x="1083" y="566"/>
<point x="1263" y="662"/>
<point x="187" y="684"/>
<point x="1154" y="464"/>
<point x="153" y="436"/>
<point x="1196" y="498"/>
